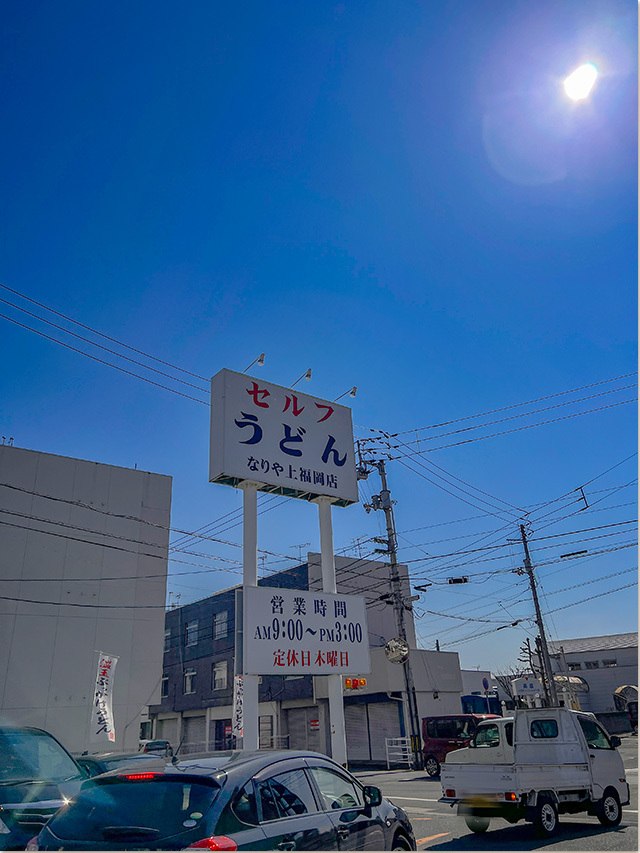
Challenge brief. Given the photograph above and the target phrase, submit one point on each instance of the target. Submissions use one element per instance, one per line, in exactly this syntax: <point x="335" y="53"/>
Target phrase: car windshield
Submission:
<point x="29" y="755"/>
<point x="104" y="811"/>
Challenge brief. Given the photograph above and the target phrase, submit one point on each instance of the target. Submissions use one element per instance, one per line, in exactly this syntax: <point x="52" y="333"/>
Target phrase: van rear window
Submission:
<point x="544" y="728"/>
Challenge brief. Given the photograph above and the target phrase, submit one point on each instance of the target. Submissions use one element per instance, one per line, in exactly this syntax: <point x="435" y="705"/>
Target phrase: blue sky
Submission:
<point x="399" y="196"/>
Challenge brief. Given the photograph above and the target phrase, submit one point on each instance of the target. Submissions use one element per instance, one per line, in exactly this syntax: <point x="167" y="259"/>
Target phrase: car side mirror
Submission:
<point x="372" y="795"/>
<point x="615" y="741"/>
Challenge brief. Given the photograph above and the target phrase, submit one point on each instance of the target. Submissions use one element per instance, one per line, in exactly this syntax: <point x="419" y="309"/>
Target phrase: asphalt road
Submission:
<point x="437" y="826"/>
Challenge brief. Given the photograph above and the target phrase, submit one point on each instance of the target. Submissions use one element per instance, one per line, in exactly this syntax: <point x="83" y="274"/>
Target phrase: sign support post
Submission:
<point x="249" y="578"/>
<point x="334" y="682"/>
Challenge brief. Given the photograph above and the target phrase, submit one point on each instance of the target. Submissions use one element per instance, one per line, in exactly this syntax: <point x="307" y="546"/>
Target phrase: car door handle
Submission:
<point x="343" y="832"/>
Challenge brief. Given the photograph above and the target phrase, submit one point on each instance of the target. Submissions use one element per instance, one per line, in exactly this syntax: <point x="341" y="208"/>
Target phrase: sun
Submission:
<point x="580" y="82"/>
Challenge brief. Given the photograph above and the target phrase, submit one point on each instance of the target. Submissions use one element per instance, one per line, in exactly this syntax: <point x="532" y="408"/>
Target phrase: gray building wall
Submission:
<point x="67" y="528"/>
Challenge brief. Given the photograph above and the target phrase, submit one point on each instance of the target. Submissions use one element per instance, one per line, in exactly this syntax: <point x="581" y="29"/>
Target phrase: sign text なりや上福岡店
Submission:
<point x="288" y="443"/>
<point x="292" y="631"/>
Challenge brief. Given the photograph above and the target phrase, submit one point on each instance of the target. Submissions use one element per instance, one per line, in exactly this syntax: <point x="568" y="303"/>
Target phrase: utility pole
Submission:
<point x="548" y="682"/>
<point x="384" y="502"/>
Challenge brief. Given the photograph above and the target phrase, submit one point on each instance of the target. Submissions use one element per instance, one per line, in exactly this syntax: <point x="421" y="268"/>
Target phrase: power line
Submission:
<point x="108" y="363"/>
<point x="100" y="346"/>
<point x="517" y="405"/>
<point x="516" y="429"/>
<point x="101" y="334"/>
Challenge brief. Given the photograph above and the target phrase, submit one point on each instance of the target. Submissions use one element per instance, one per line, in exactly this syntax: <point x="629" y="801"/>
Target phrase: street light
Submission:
<point x="581" y="81"/>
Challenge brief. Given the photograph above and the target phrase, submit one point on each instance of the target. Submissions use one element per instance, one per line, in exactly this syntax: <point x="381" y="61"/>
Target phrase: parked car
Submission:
<point x="104" y="762"/>
<point x="37" y="775"/>
<point x="441" y="735"/>
<point x="632" y="708"/>
<point x="260" y="800"/>
<point x="535" y="765"/>
<point x="160" y="747"/>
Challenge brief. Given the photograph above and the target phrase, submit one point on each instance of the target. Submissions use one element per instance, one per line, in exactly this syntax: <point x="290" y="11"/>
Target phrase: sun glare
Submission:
<point x="580" y="82"/>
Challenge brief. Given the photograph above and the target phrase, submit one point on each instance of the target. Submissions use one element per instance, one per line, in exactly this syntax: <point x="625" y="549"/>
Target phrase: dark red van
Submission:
<point x="442" y="735"/>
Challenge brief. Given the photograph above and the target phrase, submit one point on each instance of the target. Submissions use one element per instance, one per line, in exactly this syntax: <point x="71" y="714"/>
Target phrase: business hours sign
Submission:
<point x="296" y="632"/>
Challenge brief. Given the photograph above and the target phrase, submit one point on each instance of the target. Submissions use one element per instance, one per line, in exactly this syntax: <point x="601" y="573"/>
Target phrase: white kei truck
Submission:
<point x="534" y="765"/>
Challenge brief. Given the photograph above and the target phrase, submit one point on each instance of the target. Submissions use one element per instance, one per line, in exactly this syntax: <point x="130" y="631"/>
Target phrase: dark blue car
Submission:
<point x="263" y="800"/>
<point x="37" y="776"/>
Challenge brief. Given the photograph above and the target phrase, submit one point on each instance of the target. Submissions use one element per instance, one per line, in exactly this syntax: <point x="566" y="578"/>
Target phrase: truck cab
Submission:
<point x="492" y="743"/>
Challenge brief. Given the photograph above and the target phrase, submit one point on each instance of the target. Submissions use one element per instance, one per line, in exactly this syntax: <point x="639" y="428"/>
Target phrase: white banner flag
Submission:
<point x="102" y="722"/>
<point x="236" y="723"/>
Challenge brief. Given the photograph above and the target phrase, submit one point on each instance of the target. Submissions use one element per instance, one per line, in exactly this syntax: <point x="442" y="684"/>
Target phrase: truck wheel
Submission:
<point x="608" y="809"/>
<point x="546" y="818"/>
<point x="432" y="765"/>
<point x="477" y="823"/>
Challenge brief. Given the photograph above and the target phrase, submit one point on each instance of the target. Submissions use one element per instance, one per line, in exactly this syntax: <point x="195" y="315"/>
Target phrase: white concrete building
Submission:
<point x="603" y="663"/>
<point x="83" y="569"/>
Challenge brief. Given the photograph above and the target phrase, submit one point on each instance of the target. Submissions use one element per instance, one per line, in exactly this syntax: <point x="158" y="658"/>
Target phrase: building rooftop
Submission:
<point x="595" y="644"/>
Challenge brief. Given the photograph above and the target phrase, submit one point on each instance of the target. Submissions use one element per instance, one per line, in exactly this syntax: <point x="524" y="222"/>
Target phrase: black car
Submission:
<point x="104" y="762"/>
<point x="262" y="800"/>
<point x="37" y="776"/>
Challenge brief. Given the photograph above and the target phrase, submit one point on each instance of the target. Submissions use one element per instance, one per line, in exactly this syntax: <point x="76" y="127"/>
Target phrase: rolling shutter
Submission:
<point x="168" y="730"/>
<point x="384" y="722"/>
<point x="355" y="723"/>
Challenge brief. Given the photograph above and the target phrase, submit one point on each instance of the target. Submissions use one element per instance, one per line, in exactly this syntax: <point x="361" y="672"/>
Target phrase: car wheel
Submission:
<point x="432" y="765"/>
<point x="401" y="843"/>
<point x="477" y="823"/>
<point x="546" y="819"/>
<point x="608" y="810"/>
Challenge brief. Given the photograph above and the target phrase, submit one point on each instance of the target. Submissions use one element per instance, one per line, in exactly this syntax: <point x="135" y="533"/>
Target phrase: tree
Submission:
<point x="505" y="676"/>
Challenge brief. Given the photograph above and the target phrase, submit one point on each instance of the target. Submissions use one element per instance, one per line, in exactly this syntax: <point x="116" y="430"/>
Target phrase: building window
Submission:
<point x="220" y="625"/>
<point x="610" y="662"/>
<point x="574" y="666"/>
<point x="219" y="675"/>
<point x="167" y="639"/>
<point x="591" y="664"/>
<point x="164" y="687"/>
<point x="189" y="681"/>
<point x="191" y="633"/>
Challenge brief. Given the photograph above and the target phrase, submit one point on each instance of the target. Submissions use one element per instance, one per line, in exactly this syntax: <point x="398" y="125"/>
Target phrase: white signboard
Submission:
<point x="102" y="723"/>
<point x="296" y="632"/>
<point x="526" y="686"/>
<point x="286" y="441"/>
<point x="236" y="721"/>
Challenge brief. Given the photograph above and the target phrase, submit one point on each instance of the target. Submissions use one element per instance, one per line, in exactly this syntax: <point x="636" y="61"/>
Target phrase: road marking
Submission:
<point x="414" y="799"/>
<point x="431" y="838"/>
<point x="421" y="818"/>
